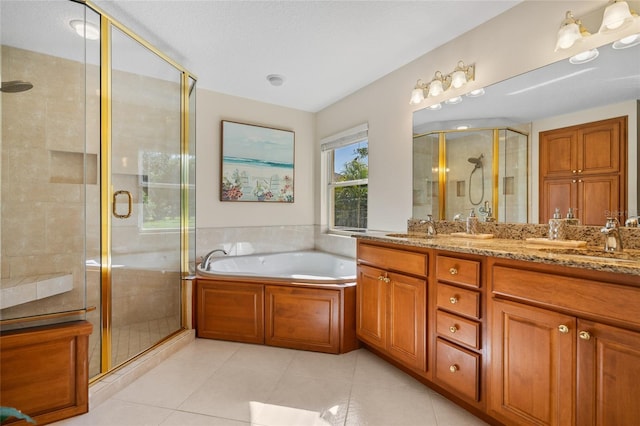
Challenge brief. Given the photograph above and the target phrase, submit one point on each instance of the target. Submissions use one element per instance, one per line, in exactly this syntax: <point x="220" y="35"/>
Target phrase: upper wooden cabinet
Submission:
<point x="584" y="167"/>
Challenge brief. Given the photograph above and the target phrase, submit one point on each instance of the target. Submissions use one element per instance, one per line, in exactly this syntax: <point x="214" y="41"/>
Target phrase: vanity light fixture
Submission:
<point x="85" y="29"/>
<point x="616" y="15"/>
<point x="440" y="83"/>
<point x="571" y="30"/>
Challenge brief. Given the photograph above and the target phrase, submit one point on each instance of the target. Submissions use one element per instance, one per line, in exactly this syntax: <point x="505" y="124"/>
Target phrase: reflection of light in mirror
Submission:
<point x="584" y="57"/>
<point x="453" y="101"/>
<point x="548" y="82"/>
<point x="623" y="43"/>
<point x="462" y="127"/>
<point x="475" y="93"/>
<point x="125" y="161"/>
<point x="435" y="107"/>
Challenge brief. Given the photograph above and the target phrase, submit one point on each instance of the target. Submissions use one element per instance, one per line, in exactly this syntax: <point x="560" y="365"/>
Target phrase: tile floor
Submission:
<point x="211" y="382"/>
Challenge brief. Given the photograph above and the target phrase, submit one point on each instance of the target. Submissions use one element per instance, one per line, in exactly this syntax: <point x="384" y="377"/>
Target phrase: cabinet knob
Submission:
<point x="584" y="335"/>
<point x="453" y="271"/>
<point x="453" y="368"/>
<point x="453" y="300"/>
<point x="579" y="180"/>
<point x="387" y="280"/>
<point x="453" y="329"/>
<point x="574" y="171"/>
<point x="579" y="171"/>
<point x="563" y="329"/>
<point x="574" y="181"/>
<point x="380" y="278"/>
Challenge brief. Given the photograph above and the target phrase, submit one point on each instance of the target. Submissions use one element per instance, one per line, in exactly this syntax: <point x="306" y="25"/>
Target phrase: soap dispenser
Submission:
<point x="571" y="219"/>
<point x="472" y="222"/>
<point x="556" y="228"/>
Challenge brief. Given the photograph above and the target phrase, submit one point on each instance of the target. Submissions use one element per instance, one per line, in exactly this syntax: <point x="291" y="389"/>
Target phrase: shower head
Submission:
<point x="476" y="161"/>
<point x="15" y="86"/>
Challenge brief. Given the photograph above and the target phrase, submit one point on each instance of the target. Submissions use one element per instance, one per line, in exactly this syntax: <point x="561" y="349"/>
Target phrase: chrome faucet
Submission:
<point x="431" y="225"/>
<point x="632" y="222"/>
<point x="206" y="259"/>
<point x="612" y="239"/>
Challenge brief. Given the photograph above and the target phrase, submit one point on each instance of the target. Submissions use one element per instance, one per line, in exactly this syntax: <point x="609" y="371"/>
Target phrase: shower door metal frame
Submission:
<point x="106" y="187"/>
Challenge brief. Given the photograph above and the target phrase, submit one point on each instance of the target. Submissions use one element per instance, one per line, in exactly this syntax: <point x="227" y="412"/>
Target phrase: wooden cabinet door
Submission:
<point x="302" y="318"/>
<point x="532" y="372"/>
<point x="371" y="311"/>
<point x="230" y="311"/>
<point x="599" y="197"/>
<point x="558" y="152"/>
<point x="407" y="319"/>
<point x="599" y="145"/>
<point x="608" y="375"/>
<point x="558" y="193"/>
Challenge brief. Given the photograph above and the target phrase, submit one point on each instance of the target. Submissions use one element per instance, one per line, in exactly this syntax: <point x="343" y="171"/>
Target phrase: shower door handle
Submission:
<point x="129" y="203"/>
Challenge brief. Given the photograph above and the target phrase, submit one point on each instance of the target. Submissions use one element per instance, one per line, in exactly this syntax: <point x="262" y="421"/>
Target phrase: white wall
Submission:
<point x="211" y="109"/>
<point x="521" y="39"/>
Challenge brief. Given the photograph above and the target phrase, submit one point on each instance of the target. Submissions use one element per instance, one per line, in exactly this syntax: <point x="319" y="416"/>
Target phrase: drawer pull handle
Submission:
<point x="453" y="329"/>
<point x="454" y="368"/>
<point x="453" y="271"/>
<point x="584" y="335"/>
<point x="563" y="329"/>
<point x="453" y="300"/>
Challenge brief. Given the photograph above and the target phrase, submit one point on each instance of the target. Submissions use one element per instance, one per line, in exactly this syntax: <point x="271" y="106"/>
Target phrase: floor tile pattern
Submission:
<point x="211" y="382"/>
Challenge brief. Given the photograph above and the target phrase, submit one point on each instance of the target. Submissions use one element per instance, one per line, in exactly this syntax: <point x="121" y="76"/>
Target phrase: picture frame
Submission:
<point x="257" y="163"/>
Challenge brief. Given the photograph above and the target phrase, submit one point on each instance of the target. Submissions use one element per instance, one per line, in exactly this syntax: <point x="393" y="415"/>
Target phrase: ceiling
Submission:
<point x="325" y="50"/>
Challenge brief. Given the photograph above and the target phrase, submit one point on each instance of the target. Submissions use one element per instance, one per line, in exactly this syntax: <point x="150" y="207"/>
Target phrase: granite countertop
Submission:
<point x="588" y="257"/>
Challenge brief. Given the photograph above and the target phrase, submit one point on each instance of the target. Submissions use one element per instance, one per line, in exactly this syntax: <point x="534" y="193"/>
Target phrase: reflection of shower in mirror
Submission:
<point x="477" y="162"/>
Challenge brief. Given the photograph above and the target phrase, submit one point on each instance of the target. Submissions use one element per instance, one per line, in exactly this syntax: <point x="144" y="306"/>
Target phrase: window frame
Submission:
<point x="329" y="145"/>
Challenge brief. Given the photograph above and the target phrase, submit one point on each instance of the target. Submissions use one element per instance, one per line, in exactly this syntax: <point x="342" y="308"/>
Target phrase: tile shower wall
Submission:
<point x="43" y="175"/>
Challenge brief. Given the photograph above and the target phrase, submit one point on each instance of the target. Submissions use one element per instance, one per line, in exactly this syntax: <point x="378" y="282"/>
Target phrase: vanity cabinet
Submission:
<point x="458" y="354"/>
<point x="565" y="346"/>
<point x="584" y="167"/>
<point x="391" y="303"/>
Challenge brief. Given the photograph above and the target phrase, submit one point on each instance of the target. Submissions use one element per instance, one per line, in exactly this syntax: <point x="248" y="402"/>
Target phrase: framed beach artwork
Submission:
<point x="257" y="163"/>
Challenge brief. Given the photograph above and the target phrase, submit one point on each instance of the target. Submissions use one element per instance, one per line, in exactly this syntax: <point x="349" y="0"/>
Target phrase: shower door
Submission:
<point x="141" y="294"/>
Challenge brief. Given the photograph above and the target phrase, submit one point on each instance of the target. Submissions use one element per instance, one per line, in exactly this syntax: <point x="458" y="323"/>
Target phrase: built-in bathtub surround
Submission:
<point x="518" y="231"/>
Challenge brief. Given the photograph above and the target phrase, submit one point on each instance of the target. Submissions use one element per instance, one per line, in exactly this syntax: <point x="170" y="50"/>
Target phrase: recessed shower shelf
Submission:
<point x="16" y="291"/>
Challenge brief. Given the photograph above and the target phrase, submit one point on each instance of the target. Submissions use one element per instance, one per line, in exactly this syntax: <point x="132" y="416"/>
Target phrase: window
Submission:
<point x="347" y="171"/>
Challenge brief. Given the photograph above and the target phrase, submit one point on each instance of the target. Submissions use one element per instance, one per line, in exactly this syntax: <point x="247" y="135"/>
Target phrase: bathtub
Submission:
<point x="299" y="300"/>
<point x="311" y="267"/>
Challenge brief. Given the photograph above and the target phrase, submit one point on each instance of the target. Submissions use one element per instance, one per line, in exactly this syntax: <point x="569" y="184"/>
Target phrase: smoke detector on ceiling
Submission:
<point x="275" y="79"/>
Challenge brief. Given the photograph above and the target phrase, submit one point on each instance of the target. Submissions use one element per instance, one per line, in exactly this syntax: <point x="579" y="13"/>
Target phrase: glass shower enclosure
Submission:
<point x="481" y="169"/>
<point x="98" y="179"/>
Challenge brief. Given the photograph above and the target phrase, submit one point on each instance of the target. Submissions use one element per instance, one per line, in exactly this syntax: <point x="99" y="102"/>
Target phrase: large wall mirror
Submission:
<point x="522" y="105"/>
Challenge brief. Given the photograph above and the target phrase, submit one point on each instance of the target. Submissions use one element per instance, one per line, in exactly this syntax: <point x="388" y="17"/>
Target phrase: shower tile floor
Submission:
<point x="211" y="382"/>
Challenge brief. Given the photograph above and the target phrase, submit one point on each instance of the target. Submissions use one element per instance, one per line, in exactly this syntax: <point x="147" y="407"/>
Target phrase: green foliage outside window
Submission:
<point x="350" y="202"/>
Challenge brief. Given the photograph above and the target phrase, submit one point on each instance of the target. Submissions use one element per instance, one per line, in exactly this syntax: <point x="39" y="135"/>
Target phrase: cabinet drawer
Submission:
<point x="458" y="300"/>
<point x="459" y="271"/>
<point x="578" y="295"/>
<point x="458" y="369"/>
<point x="398" y="260"/>
<point x="458" y="329"/>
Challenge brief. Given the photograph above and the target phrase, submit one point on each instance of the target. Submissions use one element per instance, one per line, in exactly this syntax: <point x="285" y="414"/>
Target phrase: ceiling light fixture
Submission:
<point x="85" y="29"/>
<point x="440" y="83"/>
